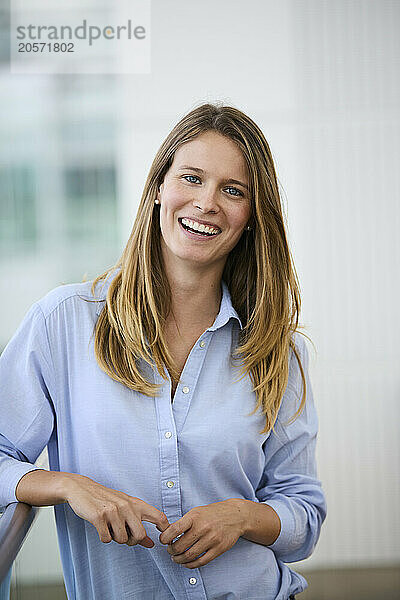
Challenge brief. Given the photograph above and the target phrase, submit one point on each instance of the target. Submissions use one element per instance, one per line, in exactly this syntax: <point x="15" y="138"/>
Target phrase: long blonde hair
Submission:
<point x="259" y="273"/>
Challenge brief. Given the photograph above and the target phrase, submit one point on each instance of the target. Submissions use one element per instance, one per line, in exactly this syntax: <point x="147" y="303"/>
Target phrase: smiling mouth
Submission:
<point x="195" y="231"/>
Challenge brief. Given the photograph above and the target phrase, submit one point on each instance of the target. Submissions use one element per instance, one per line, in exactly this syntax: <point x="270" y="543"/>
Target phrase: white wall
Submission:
<point x="321" y="79"/>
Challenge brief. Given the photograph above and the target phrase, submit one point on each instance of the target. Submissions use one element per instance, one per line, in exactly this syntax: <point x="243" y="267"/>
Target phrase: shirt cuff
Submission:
<point x="12" y="475"/>
<point x="286" y="540"/>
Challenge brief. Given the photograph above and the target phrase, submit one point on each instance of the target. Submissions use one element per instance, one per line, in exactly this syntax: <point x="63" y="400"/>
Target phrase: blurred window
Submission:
<point x="4" y="35"/>
<point x="91" y="204"/>
<point x="18" y="228"/>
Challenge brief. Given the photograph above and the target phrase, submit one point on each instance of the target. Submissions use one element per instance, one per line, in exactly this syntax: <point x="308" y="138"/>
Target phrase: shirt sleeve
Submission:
<point x="26" y="409"/>
<point x="289" y="483"/>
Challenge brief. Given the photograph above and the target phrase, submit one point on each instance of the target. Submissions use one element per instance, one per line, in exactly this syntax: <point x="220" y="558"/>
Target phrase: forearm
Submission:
<point x="42" y="488"/>
<point x="261" y="523"/>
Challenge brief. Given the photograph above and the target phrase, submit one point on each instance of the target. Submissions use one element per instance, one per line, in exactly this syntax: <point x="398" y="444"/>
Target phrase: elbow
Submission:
<point x="306" y="535"/>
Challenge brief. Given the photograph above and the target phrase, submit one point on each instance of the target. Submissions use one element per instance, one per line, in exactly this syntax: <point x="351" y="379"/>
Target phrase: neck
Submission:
<point x="196" y="297"/>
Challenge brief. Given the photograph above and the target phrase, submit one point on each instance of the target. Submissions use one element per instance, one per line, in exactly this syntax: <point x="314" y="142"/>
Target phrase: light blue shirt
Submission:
<point x="200" y="449"/>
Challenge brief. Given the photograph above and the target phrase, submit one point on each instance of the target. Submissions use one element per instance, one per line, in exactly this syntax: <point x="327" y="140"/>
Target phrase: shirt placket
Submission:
<point x="170" y="420"/>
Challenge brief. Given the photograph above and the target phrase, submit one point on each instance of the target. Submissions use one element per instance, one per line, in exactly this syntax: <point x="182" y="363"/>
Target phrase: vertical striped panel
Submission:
<point x="347" y="56"/>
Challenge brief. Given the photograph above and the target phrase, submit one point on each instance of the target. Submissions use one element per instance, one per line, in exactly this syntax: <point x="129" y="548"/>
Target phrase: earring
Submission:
<point x="156" y="201"/>
<point x="248" y="228"/>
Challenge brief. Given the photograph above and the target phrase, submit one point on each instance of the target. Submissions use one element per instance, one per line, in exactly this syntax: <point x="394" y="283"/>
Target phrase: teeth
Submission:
<point x="199" y="227"/>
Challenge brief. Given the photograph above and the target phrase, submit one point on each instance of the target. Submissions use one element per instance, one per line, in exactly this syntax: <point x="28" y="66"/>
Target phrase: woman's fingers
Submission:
<point x="105" y="535"/>
<point x="133" y="517"/>
<point x="116" y="515"/>
<point x="152" y="515"/>
<point x="137" y="534"/>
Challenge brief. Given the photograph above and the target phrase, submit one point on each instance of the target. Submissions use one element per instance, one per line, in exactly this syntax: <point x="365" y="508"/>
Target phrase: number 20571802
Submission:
<point x="46" y="47"/>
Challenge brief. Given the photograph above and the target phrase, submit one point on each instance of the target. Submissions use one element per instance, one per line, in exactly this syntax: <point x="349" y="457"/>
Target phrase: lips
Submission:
<point x="195" y="235"/>
<point x="200" y="222"/>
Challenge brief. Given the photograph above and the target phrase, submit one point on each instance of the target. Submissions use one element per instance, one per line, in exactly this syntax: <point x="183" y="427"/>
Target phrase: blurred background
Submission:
<point x="321" y="79"/>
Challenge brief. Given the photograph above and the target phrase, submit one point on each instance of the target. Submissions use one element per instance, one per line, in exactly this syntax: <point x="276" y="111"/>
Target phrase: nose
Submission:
<point x="207" y="201"/>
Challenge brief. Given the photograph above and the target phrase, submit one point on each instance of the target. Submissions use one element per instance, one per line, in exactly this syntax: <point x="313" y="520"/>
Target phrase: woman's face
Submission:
<point x="207" y="183"/>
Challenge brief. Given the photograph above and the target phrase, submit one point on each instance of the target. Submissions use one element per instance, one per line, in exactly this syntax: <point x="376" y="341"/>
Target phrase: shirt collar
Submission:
<point x="226" y="310"/>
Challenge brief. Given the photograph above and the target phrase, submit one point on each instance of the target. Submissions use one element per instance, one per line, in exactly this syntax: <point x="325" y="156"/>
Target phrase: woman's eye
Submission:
<point x="236" y="190"/>
<point x="193" y="177"/>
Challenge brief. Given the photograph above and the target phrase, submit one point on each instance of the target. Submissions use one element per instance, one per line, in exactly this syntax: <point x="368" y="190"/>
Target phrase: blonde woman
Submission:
<point x="174" y="389"/>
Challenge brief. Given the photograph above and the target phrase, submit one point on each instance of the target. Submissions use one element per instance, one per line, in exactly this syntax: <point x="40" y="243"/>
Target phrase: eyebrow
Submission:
<point x="183" y="167"/>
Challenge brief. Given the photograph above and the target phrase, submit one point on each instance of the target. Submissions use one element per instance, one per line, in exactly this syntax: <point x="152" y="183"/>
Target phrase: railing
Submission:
<point x="15" y="521"/>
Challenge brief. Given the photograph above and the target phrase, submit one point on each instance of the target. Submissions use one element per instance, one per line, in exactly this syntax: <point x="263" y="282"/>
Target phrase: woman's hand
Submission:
<point x="116" y="515"/>
<point x="210" y="529"/>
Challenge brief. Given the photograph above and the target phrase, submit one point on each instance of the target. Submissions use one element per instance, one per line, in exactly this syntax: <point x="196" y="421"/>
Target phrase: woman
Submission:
<point x="166" y="390"/>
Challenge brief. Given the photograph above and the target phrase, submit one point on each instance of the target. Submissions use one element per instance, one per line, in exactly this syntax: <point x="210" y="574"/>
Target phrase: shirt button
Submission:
<point x="202" y="344"/>
<point x="192" y="580"/>
<point x="168" y="434"/>
<point x="185" y="389"/>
